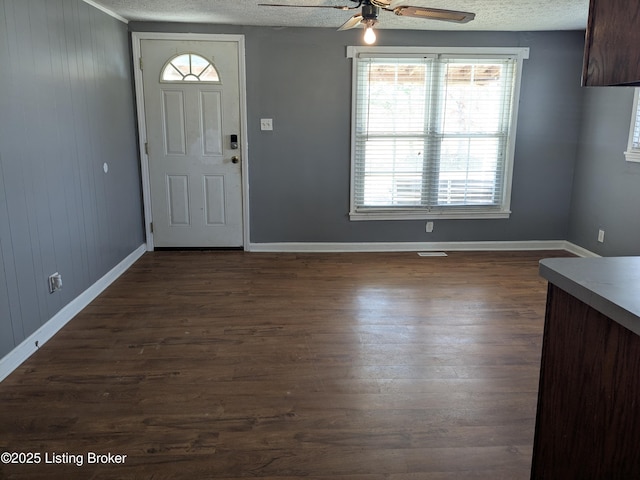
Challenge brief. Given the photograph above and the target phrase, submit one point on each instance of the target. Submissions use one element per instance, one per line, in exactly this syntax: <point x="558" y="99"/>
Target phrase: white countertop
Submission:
<point x="611" y="285"/>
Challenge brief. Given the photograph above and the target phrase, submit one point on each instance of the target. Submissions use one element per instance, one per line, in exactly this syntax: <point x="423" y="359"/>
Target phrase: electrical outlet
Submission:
<point x="55" y="282"/>
<point x="601" y="236"/>
<point x="429" y="227"/>
<point x="266" y="124"/>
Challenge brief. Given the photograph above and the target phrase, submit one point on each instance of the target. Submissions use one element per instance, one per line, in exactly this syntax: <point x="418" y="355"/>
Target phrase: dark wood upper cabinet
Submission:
<point x="612" y="46"/>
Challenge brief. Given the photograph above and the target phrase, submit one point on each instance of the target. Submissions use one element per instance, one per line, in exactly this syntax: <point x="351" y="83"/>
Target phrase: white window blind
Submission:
<point x="432" y="135"/>
<point x="633" y="150"/>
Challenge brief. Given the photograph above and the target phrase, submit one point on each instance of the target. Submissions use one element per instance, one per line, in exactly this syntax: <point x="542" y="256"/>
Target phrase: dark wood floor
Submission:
<point x="218" y="365"/>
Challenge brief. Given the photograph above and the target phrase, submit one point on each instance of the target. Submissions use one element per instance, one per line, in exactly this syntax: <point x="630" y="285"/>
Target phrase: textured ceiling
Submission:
<point x="499" y="15"/>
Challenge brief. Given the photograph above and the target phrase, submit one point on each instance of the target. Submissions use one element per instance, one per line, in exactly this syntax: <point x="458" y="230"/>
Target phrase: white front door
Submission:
<point x="192" y="115"/>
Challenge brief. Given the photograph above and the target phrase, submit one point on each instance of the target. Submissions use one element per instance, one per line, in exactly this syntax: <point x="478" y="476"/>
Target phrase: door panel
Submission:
<point x="196" y="188"/>
<point x="214" y="195"/>
<point x="178" y="195"/>
<point x="173" y="125"/>
<point x="211" y="111"/>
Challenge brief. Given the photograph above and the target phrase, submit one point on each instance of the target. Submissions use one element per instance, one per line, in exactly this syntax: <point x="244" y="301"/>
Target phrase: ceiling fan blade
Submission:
<point x="306" y="6"/>
<point x="383" y="3"/>
<point x="434" y="14"/>
<point x="353" y="22"/>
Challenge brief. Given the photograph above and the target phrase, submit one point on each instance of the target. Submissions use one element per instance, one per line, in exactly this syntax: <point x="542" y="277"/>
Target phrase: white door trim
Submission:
<point x="136" y="38"/>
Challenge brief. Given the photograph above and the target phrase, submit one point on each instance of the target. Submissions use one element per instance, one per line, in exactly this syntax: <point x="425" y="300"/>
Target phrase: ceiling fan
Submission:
<point x="370" y="9"/>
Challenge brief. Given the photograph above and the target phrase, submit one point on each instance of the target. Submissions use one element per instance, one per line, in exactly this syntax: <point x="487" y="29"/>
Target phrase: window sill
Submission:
<point x="409" y="215"/>
<point x="632" y="156"/>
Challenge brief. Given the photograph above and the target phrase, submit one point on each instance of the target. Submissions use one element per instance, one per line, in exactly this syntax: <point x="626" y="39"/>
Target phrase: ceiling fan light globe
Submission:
<point x="369" y="36"/>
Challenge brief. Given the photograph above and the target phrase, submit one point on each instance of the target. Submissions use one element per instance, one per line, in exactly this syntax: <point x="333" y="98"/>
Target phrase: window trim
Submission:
<point x="454" y="212"/>
<point x="633" y="154"/>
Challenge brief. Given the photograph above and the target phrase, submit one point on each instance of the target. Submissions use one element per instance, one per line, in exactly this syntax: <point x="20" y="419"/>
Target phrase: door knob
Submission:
<point x="235" y="159"/>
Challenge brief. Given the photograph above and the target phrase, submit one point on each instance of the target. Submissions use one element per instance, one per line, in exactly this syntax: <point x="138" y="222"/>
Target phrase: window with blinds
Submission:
<point x="433" y="134"/>
<point x="633" y="150"/>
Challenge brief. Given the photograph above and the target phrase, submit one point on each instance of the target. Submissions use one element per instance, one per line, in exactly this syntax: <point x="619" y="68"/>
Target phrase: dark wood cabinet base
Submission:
<point x="588" y="418"/>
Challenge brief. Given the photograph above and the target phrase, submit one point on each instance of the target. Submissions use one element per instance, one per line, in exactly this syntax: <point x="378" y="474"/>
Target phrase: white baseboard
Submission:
<point x="579" y="251"/>
<point x="18" y="355"/>
<point x="319" y="247"/>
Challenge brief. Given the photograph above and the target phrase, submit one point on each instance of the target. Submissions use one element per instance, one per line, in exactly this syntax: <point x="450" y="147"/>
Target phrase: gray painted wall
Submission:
<point x="606" y="188"/>
<point x="66" y="107"/>
<point x="299" y="173"/>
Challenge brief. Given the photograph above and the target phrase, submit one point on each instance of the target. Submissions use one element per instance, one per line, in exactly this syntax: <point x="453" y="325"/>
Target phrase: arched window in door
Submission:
<point x="189" y="67"/>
